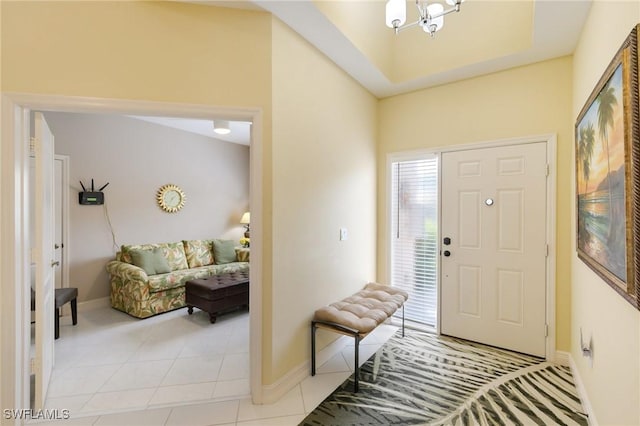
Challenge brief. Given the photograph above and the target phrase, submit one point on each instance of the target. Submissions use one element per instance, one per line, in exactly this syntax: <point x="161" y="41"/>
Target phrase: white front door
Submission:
<point x="43" y="257"/>
<point x="493" y="281"/>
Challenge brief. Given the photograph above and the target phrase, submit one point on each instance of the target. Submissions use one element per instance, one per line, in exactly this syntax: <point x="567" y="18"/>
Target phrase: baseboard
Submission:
<point x="273" y="392"/>
<point x="90" y="305"/>
<point x="582" y="392"/>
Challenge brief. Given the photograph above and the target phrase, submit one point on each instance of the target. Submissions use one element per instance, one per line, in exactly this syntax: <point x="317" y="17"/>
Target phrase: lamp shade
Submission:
<point x="434" y="24"/>
<point x="221" y="127"/>
<point x="246" y="218"/>
<point x="396" y="10"/>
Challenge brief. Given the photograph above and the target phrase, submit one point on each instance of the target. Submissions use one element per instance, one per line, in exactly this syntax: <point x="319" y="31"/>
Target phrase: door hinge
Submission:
<point x="32" y="365"/>
<point x="546" y="171"/>
<point x="546" y="250"/>
<point x="546" y="330"/>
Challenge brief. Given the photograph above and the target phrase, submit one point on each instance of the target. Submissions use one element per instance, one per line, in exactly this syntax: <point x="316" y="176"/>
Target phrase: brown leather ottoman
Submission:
<point x="218" y="293"/>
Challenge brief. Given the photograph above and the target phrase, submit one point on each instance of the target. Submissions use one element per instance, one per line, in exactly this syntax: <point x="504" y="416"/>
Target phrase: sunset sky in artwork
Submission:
<point x="616" y="139"/>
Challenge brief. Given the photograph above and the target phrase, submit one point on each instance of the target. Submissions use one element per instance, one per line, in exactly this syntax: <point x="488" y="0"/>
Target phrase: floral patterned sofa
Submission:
<point x="142" y="290"/>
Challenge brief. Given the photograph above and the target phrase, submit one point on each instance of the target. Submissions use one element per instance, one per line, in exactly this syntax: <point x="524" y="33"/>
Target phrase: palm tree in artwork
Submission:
<point x="606" y="101"/>
<point x="586" y="142"/>
<point x="585" y="151"/>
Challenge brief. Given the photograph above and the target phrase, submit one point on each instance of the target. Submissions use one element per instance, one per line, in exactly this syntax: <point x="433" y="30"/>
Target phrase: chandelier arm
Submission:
<point x="425" y="19"/>
<point x="404" y="27"/>
<point x="422" y="12"/>
<point x="445" y="12"/>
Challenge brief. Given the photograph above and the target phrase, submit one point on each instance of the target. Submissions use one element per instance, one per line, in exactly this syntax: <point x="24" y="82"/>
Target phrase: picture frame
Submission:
<point x="607" y="153"/>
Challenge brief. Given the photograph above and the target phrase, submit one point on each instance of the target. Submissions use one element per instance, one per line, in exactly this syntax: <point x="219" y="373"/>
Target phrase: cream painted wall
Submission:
<point x="152" y="50"/>
<point x="612" y="379"/>
<point x="324" y="179"/>
<point x="137" y="158"/>
<point x="525" y="101"/>
<point x="2" y="296"/>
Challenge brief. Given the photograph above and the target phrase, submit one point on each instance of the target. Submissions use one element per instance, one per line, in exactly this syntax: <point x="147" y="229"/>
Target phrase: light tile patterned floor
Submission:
<point x="176" y="369"/>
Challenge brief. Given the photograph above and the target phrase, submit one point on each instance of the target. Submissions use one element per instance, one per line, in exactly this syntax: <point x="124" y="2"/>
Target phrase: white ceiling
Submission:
<point x="486" y="36"/>
<point x="240" y="130"/>
<point x="468" y="45"/>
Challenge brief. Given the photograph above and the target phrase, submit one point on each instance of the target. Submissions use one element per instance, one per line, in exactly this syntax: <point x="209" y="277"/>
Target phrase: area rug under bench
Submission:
<point x="426" y="379"/>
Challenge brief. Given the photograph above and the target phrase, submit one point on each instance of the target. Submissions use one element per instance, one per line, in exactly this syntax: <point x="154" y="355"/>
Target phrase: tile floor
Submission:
<point x="176" y="369"/>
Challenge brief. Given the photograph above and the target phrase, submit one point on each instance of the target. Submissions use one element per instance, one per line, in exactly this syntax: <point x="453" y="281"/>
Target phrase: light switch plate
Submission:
<point x="343" y="234"/>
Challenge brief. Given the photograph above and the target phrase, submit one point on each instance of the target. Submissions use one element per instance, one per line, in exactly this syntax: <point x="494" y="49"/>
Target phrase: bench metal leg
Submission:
<point x="313" y="348"/>
<point x="56" y="322"/>
<point x="74" y="310"/>
<point x="357" y="351"/>
<point x="349" y="332"/>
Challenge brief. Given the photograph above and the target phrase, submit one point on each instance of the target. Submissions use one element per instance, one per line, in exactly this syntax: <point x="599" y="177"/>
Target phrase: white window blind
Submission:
<point x="414" y="247"/>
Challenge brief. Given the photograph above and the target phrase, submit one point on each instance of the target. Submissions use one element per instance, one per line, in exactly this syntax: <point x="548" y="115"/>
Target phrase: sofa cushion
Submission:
<point x="173" y="252"/>
<point x="224" y="251"/>
<point x="168" y="281"/>
<point x="178" y="279"/>
<point x="198" y="252"/>
<point x="152" y="261"/>
<point x="204" y="271"/>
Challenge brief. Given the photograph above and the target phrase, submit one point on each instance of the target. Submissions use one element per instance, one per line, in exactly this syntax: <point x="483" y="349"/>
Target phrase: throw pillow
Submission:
<point x="152" y="261"/>
<point x="199" y="252"/>
<point x="242" y="254"/>
<point x="224" y="251"/>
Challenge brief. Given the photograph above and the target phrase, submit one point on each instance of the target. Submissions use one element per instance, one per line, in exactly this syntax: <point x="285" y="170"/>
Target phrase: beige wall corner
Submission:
<point x="324" y="179"/>
<point x="612" y="377"/>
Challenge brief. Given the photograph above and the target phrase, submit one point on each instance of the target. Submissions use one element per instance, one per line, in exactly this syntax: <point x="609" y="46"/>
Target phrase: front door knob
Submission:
<point x="446" y="253"/>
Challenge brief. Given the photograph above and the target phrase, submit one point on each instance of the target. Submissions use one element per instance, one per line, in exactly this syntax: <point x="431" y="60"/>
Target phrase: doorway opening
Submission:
<point x="15" y="153"/>
<point x="140" y="156"/>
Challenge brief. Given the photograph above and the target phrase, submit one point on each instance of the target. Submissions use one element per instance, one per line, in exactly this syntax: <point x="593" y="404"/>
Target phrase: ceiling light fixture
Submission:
<point x="431" y="15"/>
<point x="221" y="127"/>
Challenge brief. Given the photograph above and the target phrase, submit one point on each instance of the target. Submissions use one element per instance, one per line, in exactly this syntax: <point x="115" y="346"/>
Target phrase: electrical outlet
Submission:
<point x="343" y="234"/>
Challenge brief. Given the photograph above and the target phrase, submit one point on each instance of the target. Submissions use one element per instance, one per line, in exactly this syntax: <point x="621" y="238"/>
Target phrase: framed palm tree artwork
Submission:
<point x="607" y="168"/>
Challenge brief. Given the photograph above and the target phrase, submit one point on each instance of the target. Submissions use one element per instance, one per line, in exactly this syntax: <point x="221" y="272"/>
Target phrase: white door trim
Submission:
<point x="14" y="223"/>
<point x="65" y="162"/>
<point x="15" y="286"/>
<point x="551" y="143"/>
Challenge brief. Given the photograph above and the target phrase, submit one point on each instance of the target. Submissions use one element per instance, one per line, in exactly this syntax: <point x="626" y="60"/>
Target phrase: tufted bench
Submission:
<point x="218" y="293"/>
<point x="357" y="316"/>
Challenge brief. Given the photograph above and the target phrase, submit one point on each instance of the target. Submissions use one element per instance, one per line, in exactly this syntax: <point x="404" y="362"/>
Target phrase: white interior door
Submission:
<point x="494" y="267"/>
<point x="43" y="257"/>
<point x="61" y="182"/>
<point x="58" y="224"/>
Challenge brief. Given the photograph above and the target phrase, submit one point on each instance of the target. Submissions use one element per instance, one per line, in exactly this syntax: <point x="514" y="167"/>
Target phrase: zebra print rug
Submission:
<point x="436" y="380"/>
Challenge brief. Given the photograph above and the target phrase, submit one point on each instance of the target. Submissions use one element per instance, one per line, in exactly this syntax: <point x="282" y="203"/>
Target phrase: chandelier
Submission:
<point x="431" y="15"/>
